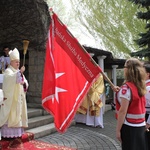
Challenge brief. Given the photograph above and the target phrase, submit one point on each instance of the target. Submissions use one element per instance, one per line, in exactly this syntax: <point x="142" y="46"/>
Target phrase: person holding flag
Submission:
<point x="69" y="72"/>
<point x="130" y="107"/>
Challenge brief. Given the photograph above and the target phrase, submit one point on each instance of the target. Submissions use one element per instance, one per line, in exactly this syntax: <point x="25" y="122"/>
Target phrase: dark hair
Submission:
<point x="147" y="66"/>
<point x="6" y="47"/>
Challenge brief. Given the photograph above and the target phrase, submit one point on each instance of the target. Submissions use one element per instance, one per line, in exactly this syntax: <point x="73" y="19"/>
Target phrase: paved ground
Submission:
<point x="84" y="137"/>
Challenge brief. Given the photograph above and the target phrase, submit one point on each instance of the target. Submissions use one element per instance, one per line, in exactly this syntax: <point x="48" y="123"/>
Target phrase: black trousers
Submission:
<point x="147" y="134"/>
<point x="133" y="138"/>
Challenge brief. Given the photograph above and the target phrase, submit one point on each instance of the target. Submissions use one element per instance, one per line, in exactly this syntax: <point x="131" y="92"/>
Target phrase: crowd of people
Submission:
<point x="13" y="109"/>
<point x="132" y="102"/>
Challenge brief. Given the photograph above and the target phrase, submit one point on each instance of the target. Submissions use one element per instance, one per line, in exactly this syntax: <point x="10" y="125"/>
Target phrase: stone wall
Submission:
<point x="35" y="77"/>
<point x="23" y="19"/>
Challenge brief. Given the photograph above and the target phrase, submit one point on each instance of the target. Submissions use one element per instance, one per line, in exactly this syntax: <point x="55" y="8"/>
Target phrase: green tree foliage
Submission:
<point x="144" y="14"/>
<point x="60" y="8"/>
<point x="64" y="11"/>
<point x="112" y="23"/>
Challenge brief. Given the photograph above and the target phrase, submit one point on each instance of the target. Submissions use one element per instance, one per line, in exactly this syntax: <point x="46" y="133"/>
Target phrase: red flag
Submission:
<point x="68" y="74"/>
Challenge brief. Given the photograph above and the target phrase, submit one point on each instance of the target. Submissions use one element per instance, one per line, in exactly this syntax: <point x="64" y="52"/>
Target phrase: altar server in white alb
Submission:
<point x="13" y="112"/>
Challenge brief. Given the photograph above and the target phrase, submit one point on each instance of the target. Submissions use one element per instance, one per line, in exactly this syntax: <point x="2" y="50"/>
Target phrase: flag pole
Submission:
<point x="114" y="88"/>
<point x="51" y="13"/>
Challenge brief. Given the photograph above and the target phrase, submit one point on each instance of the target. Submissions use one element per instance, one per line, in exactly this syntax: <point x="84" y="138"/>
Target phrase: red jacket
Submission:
<point x="136" y="109"/>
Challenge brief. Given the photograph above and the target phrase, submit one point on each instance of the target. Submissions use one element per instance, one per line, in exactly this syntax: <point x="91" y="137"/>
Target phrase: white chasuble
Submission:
<point x="14" y="110"/>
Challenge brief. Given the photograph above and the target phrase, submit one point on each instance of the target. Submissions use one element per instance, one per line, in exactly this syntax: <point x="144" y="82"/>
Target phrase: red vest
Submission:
<point x="136" y="109"/>
<point x="148" y="84"/>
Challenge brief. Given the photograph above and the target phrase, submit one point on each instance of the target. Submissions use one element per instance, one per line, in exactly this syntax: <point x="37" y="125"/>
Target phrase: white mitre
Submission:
<point x="14" y="54"/>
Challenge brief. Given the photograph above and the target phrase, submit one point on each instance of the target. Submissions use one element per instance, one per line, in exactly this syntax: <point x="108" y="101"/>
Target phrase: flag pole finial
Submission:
<point x="51" y="11"/>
